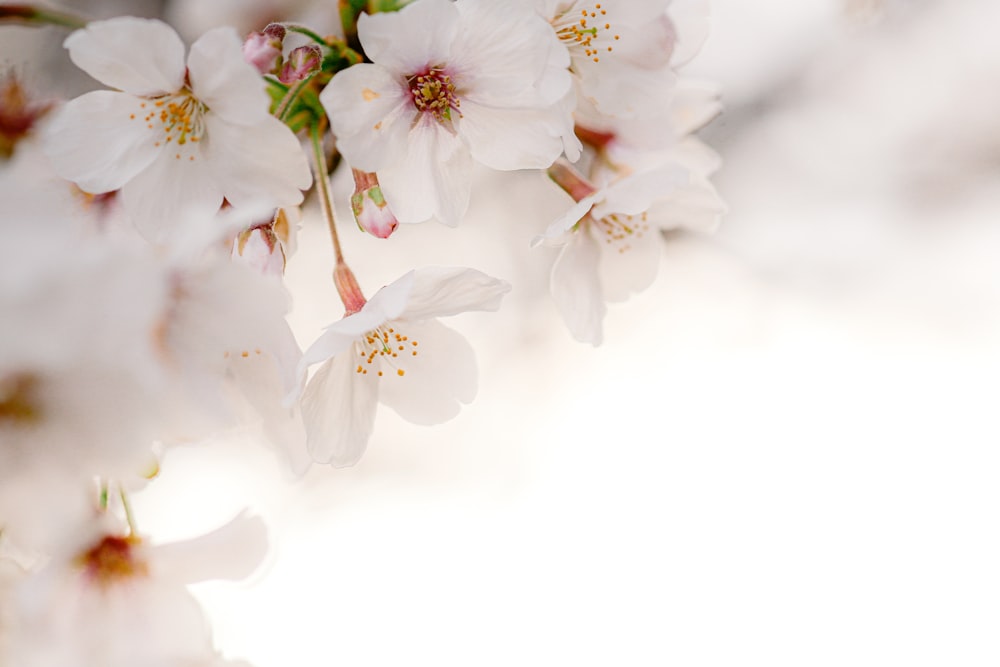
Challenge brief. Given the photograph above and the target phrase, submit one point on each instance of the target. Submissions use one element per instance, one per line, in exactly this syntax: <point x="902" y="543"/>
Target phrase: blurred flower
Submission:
<point x="395" y="351"/>
<point x="177" y="139"/>
<point x="109" y="599"/>
<point x="18" y="114"/>
<point x="449" y="83"/>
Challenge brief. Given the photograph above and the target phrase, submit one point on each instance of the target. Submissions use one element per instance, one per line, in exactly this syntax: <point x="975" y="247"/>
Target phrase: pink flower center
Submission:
<point x="433" y="92"/>
<point x="111" y="560"/>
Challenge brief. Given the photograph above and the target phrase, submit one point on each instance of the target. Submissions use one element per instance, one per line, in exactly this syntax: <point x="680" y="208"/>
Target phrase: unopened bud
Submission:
<point x="371" y="211"/>
<point x="263" y="49"/>
<point x="301" y="63"/>
<point x="260" y="249"/>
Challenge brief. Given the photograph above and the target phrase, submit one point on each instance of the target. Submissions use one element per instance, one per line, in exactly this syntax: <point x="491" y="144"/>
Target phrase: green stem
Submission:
<point x="104" y="495"/>
<point x="281" y="113"/>
<point x="29" y="14"/>
<point x="128" y="511"/>
<point x="302" y="30"/>
<point x="323" y="185"/>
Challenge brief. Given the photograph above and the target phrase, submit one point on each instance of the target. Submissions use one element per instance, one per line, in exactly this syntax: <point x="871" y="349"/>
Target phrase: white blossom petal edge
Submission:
<point x="395" y="351"/>
<point x="176" y="137"/>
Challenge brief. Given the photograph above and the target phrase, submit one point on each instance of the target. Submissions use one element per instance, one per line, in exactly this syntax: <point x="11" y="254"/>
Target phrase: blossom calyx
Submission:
<point x="301" y="63"/>
<point x="371" y="211"/>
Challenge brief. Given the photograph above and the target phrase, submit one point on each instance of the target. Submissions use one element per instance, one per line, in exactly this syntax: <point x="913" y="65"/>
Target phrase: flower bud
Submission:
<point x="260" y="249"/>
<point x="301" y="62"/>
<point x="263" y="49"/>
<point x="371" y="211"/>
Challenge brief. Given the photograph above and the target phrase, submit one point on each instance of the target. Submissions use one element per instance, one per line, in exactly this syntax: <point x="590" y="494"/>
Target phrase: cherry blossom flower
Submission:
<point x="175" y="138"/>
<point x="620" y="51"/>
<point x="109" y="598"/>
<point x="610" y="239"/>
<point x="450" y="83"/>
<point x="394" y="351"/>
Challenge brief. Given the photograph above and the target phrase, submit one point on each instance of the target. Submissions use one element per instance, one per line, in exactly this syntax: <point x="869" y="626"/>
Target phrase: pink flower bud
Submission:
<point x="371" y="211"/>
<point x="259" y="248"/>
<point x="263" y="49"/>
<point x="301" y="62"/>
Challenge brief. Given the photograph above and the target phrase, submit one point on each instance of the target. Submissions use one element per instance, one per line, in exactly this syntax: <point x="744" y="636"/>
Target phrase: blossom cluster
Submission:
<point x="149" y="223"/>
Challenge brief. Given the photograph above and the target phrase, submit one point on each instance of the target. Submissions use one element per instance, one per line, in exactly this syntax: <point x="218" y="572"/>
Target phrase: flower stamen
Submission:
<point x="434" y="92"/>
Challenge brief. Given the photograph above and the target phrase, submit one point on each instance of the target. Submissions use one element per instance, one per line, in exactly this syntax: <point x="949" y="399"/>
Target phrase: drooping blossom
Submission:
<point x="450" y="84"/>
<point x="394" y="351"/>
<point x="610" y="239"/>
<point x="176" y="137"/>
<point x="108" y="598"/>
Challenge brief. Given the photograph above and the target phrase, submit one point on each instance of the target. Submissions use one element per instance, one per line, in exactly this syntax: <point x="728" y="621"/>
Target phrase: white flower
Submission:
<point x="611" y="242"/>
<point x="449" y="83"/>
<point x="177" y="138"/>
<point x="394" y="351"/>
<point x="112" y="600"/>
<point x="620" y="51"/>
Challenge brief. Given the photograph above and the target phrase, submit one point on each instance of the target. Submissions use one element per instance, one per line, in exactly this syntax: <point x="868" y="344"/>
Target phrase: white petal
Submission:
<point x="370" y="113"/>
<point x="636" y="193"/>
<point x="139" y="56"/>
<point x="441" y="291"/>
<point x="408" y="41"/>
<point x="225" y="82"/>
<point x="160" y="198"/>
<point x="338" y="337"/>
<point x="629" y="265"/>
<point x="697" y="207"/>
<point x="232" y="552"/>
<point x="576" y="288"/>
<point x="100" y="140"/>
<point x="254" y="165"/>
<point x="434" y="177"/>
<point x="436" y="381"/>
<point x="510" y="139"/>
<point x="691" y="19"/>
<point x="554" y="234"/>
<point x="339" y="411"/>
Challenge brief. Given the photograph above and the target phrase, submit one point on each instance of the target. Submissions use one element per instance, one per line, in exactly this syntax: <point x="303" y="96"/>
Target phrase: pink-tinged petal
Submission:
<point x="139" y="56"/>
<point x="444" y="291"/>
<point x="170" y="191"/>
<point x="231" y="552"/>
<point x="371" y="114"/>
<point x="101" y="140"/>
<point x="339" y="411"/>
<point x="576" y="289"/>
<point x="509" y="139"/>
<point x="433" y="178"/>
<point x="628" y="265"/>
<point x="230" y="87"/>
<point x="408" y="41"/>
<point x="436" y="380"/>
<point x="257" y="164"/>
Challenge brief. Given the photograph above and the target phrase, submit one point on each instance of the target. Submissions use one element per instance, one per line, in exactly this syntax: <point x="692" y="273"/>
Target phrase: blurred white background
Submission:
<point x="784" y="454"/>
